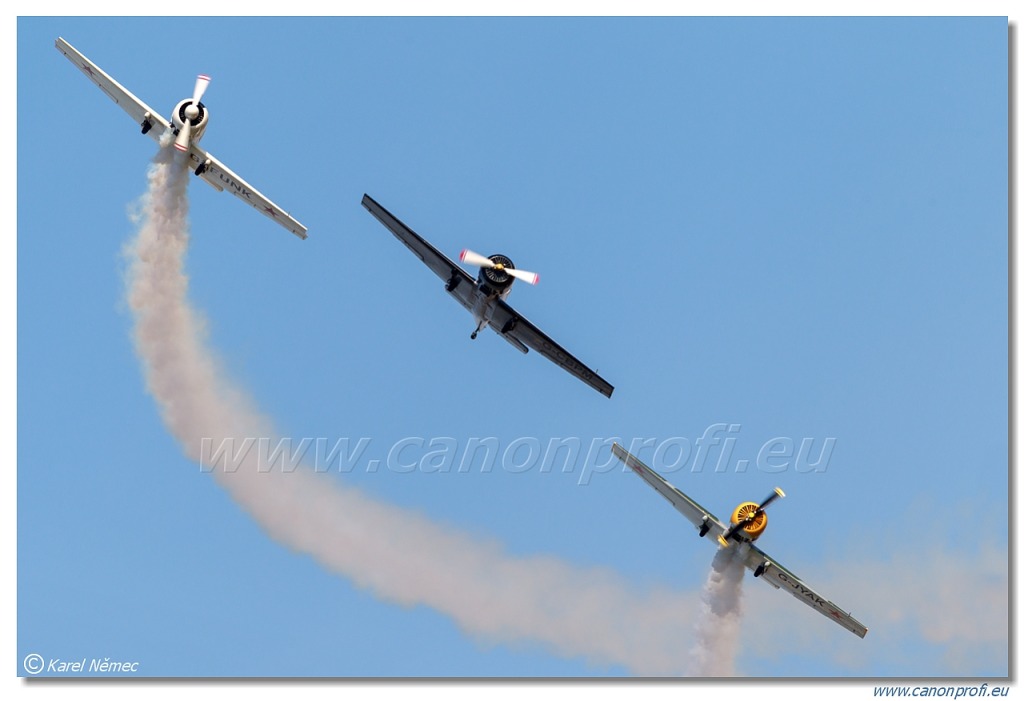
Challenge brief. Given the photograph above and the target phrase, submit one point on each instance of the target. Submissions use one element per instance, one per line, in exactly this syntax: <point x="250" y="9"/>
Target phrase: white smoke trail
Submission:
<point x="718" y="628"/>
<point x="406" y="558"/>
<point x="401" y="556"/>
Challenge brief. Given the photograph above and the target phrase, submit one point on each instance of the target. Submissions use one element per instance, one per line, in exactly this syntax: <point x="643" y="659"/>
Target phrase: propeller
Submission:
<point x="750" y="517"/>
<point x="470" y="258"/>
<point x="202" y="82"/>
<point x="181" y="141"/>
<point x="191" y="112"/>
<point x="771" y="497"/>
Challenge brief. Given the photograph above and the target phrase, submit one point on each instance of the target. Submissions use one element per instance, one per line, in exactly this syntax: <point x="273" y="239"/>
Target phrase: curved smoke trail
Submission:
<point x="400" y="556"/>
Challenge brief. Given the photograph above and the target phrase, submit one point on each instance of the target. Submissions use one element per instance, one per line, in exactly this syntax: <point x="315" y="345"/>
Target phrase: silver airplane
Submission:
<point x="748" y="522"/>
<point x="188" y="124"/>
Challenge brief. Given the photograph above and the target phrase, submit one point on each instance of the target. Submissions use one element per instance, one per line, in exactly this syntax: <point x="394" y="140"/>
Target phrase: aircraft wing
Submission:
<point x="694" y="512"/>
<point x="446" y="269"/>
<point x="530" y="336"/>
<point x="781" y="578"/>
<point x="136" y="108"/>
<point x="223" y="178"/>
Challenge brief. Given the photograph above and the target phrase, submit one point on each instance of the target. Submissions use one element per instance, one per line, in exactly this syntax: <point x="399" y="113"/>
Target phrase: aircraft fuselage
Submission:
<point x="492" y="284"/>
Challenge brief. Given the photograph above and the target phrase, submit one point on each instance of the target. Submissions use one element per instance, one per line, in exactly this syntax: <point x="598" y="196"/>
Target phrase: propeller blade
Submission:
<point x="771" y="497"/>
<point x="201" y="82"/>
<point x="469" y="258"/>
<point x="532" y="278"/>
<point x="181" y="142"/>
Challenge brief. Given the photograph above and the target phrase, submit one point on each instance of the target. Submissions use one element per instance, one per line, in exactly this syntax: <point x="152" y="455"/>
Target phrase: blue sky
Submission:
<point x="793" y="227"/>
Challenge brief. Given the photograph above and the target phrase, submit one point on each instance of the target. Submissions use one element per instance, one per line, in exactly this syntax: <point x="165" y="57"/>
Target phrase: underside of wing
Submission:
<point x="467" y="294"/>
<point x="138" y="110"/>
<point x="512" y="340"/>
<point x="223" y="178"/>
<point x="696" y="514"/>
<point x="779" y="577"/>
<point x="457" y="281"/>
<point x="510" y="323"/>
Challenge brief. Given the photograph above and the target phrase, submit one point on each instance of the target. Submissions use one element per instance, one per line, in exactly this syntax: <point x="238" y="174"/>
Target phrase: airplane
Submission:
<point x="188" y="124"/>
<point x="747" y="524"/>
<point x="485" y="296"/>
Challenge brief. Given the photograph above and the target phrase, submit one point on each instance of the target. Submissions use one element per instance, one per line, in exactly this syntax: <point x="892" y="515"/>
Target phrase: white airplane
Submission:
<point x="485" y="296"/>
<point x="188" y="123"/>
<point x="747" y="524"/>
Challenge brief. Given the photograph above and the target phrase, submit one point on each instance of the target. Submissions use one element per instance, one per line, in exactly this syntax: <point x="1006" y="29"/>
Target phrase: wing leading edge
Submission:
<point x="763" y="566"/>
<point x="136" y="108"/>
<point x="781" y="578"/>
<point x="223" y="178"/>
<point x="443" y="266"/>
<point x="528" y="334"/>
<point x="694" y="512"/>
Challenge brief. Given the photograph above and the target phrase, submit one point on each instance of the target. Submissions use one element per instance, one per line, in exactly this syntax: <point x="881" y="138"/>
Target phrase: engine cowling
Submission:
<point x="496" y="278"/>
<point x="754" y="527"/>
<point x="198" y="123"/>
